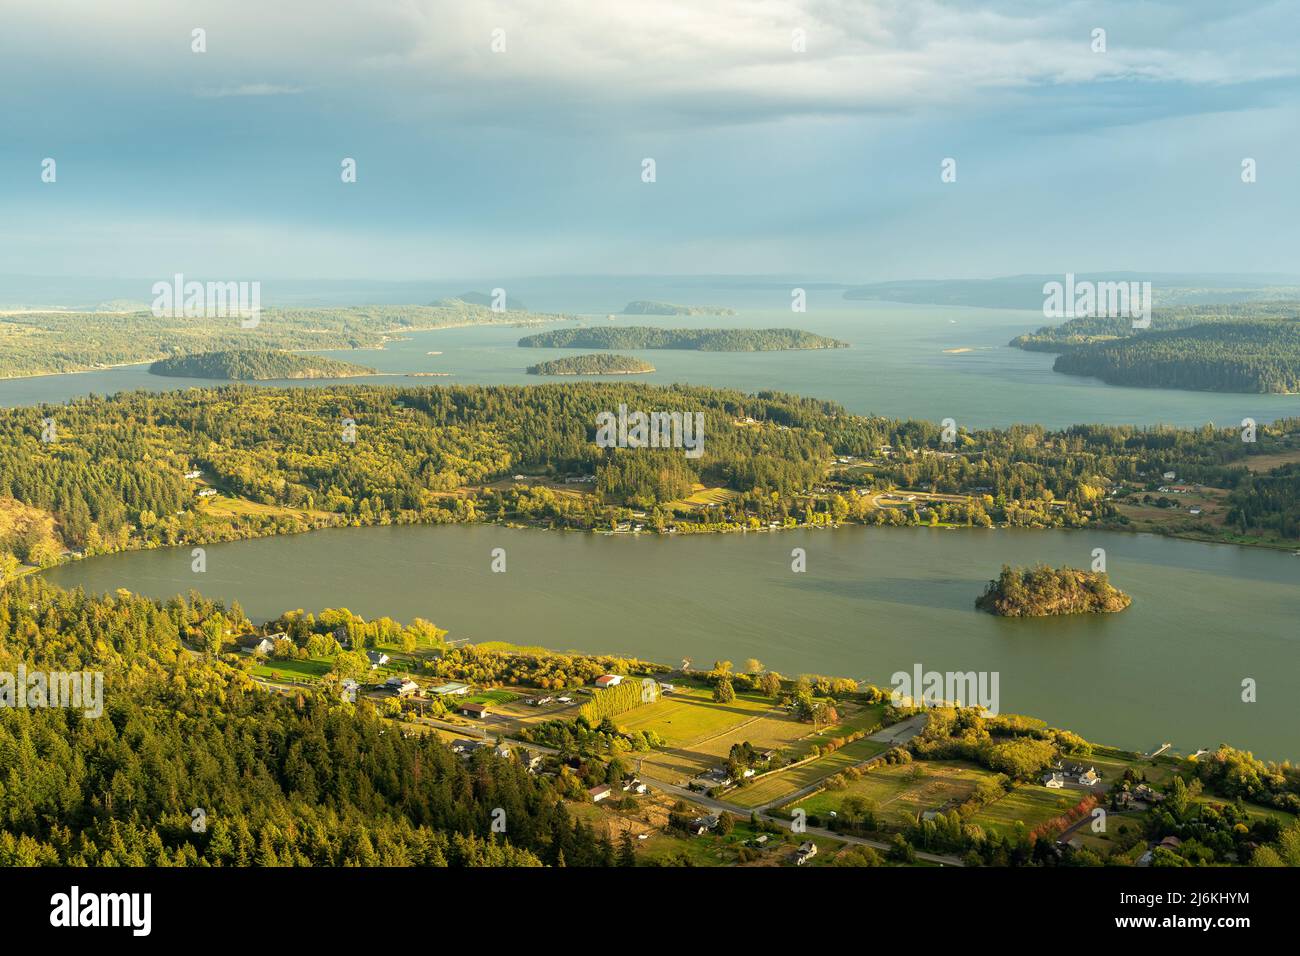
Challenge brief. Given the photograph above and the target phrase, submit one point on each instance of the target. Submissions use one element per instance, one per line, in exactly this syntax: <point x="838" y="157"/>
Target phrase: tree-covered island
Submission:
<point x="1044" y="592"/>
<point x="252" y="365"/>
<point x="596" y="364"/>
<point x="647" y="307"/>
<point x="699" y="340"/>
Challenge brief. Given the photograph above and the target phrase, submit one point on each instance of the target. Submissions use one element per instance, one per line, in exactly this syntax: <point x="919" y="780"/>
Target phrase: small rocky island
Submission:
<point x="1043" y="591"/>
<point x="252" y="365"/>
<point x="598" y="364"/>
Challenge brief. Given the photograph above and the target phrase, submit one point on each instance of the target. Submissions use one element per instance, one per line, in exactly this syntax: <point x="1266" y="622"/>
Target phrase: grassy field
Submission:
<point x="702" y="497"/>
<point x="774" y="786"/>
<point x="689" y="715"/>
<point x="1029" y="804"/>
<point x="310" y="670"/>
<point x="866" y="718"/>
<point x="223" y="506"/>
<point x="1111" y="764"/>
<point x="491" y="697"/>
<point x="905" y="790"/>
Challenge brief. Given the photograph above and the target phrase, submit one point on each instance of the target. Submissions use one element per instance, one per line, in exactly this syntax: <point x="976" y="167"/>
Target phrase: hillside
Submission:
<point x="248" y="365"/>
<point x="597" y="364"/>
<point x="1045" y="592"/>
<point x="700" y="340"/>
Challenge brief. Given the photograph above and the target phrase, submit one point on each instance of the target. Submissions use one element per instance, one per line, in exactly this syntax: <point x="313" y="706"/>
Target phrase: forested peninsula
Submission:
<point x="1246" y="347"/>
<point x="42" y="343"/>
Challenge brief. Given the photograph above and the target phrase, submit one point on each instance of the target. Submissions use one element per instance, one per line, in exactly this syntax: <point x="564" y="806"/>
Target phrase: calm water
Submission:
<point x="898" y="365"/>
<point x="873" y="601"/>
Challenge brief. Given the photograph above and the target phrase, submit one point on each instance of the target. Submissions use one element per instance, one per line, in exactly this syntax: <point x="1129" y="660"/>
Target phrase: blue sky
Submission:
<point x="822" y="162"/>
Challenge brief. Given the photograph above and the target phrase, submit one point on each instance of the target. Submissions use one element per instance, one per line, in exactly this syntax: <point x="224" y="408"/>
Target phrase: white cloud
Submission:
<point x="662" y="62"/>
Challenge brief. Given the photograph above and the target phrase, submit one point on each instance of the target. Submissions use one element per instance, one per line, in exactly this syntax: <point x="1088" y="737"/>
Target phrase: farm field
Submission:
<point x="866" y="718"/>
<point x="772" y="787"/>
<point x="905" y="790"/>
<point x="1028" y="803"/>
<point x="689" y="715"/>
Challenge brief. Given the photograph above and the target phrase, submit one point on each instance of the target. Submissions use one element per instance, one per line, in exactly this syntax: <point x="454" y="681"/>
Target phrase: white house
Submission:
<point x="599" y="793"/>
<point x="807" y="851"/>
<point x="350" y="689"/>
<point x="256" y="645"/>
<point x="402" y="686"/>
<point x="1054" y="781"/>
<point x="377" y="659"/>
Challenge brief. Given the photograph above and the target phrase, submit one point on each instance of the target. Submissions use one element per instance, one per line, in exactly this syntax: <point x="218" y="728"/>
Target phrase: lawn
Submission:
<point x="309" y="670"/>
<point x="491" y="697"/>
<point x="774" y="786"/>
<point x="1111" y="764"/>
<point x="1029" y="804"/>
<point x="905" y="790"/>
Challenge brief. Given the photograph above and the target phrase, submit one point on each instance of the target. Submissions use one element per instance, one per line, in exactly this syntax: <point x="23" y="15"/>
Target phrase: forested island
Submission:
<point x="645" y="307"/>
<point x="699" y="340"/>
<point x="600" y="363"/>
<point x="40" y="343"/>
<point x="248" y="365"/>
<point x="1044" y="592"/>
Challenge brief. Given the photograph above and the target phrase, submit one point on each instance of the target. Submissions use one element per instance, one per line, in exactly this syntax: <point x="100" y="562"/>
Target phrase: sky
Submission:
<point x="789" y="137"/>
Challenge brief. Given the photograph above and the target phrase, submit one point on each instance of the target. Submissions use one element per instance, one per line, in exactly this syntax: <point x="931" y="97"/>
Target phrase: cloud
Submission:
<point x="673" y="62"/>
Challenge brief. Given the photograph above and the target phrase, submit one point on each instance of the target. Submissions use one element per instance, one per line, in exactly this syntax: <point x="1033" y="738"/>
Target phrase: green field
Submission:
<point x="1029" y="804"/>
<point x="774" y="786"/>
<point x="905" y="790"/>
<point x="1111" y="764"/>
<point x="491" y="697"/>
<point x="867" y="718"/>
<point x="311" y="669"/>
